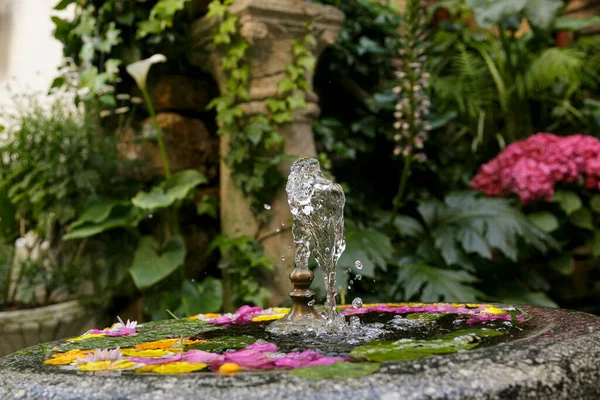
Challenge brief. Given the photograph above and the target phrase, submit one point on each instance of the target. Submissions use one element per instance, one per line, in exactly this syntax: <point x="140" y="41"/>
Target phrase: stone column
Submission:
<point x="270" y="26"/>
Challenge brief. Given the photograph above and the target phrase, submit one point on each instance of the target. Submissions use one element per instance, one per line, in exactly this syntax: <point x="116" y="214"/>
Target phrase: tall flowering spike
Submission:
<point x="139" y="69"/>
<point x="411" y="125"/>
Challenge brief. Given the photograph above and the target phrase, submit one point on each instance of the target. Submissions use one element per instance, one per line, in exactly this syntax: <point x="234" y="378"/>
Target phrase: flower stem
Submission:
<point x="161" y="143"/>
<point x="398" y="199"/>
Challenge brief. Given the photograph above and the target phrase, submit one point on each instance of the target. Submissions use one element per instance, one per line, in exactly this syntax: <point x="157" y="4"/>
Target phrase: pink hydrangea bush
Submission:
<point x="531" y="168"/>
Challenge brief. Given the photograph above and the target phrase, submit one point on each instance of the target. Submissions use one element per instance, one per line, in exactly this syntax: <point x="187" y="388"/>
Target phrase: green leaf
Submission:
<point x="223" y="343"/>
<point x="157" y="198"/>
<point x="411" y="349"/>
<point x="436" y="284"/>
<point x="152" y="263"/>
<point x="542" y="13"/>
<point x="563" y="264"/>
<point x="208" y="205"/>
<point x="596" y="243"/>
<point x="201" y="298"/>
<point x="338" y="370"/>
<point x="568" y="200"/>
<point x="97" y="212"/>
<point x="175" y="188"/>
<point x="408" y="226"/>
<point x="565" y="23"/>
<point x="108" y="100"/>
<point x="179" y="185"/>
<point x="582" y="218"/>
<point x="544" y="220"/>
<point x="490" y="13"/>
<point x="63" y="4"/>
<point x="595" y="203"/>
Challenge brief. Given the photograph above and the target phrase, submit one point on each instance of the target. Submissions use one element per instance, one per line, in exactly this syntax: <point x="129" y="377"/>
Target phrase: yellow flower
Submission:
<point x="86" y="336"/>
<point x="178" y="368"/>
<point x="492" y="310"/>
<point x="67" y="357"/>
<point x="267" y="317"/>
<point x="229" y="368"/>
<point x="156" y="345"/>
<point x="106" y="366"/>
<point x="146" y="368"/>
<point x="151" y="353"/>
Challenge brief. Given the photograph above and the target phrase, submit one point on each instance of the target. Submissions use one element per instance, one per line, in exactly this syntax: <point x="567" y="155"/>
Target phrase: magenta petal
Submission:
<point x="199" y="356"/>
<point x="222" y="320"/>
<point x="262" y="347"/>
<point x="148" y="361"/>
<point x="250" y="359"/>
<point x="247" y="309"/>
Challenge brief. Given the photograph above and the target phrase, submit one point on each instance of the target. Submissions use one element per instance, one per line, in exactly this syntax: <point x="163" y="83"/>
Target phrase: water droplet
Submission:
<point x="282" y="258"/>
<point x="267" y="207"/>
<point x="283" y="225"/>
<point x="351" y="282"/>
<point x="358" y="277"/>
<point x="307" y="294"/>
<point x="358" y="264"/>
<point x="357" y="303"/>
<point x="290" y="247"/>
<point x="277" y="230"/>
<point x="150" y="216"/>
<point x="326" y="249"/>
<point x="311" y="303"/>
<point x="349" y="287"/>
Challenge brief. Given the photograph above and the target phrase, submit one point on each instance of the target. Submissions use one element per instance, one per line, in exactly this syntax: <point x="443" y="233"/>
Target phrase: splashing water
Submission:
<point x="317" y="206"/>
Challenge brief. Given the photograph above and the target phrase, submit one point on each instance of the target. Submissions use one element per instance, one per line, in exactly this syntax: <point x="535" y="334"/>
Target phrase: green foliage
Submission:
<point x="337" y="370"/>
<point x="161" y="17"/>
<point x="433" y="284"/>
<point x="411" y="349"/>
<point x="152" y="262"/>
<point x="54" y="159"/>
<point x="223" y="343"/>
<point x="506" y="87"/>
<point x="243" y="261"/>
<point x="176" y="188"/>
<point x="201" y="298"/>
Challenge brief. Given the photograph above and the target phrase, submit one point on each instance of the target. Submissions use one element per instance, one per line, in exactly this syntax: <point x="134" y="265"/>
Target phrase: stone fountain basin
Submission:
<point x="560" y="358"/>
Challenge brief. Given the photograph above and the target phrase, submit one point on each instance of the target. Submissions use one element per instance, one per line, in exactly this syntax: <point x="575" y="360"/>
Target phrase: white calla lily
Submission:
<point x="139" y="69"/>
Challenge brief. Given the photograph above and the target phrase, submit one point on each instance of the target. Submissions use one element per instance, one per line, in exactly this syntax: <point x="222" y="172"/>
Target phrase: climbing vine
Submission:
<point x="255" y="146"/>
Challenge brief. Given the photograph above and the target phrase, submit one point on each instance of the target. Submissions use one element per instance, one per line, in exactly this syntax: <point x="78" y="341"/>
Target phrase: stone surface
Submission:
<point x="23" y="328"/>
<point x="270" y="26"/>
<point x="558" y="360"/>
<point x="179" y="93"/>
<point x="188" y="143"/>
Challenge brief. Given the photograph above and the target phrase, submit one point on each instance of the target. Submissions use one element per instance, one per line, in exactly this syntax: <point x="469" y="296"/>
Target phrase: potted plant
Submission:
<point x="55" y="159"/>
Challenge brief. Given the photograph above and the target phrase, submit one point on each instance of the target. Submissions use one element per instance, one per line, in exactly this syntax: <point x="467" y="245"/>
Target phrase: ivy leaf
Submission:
<point x="108" y="100"/>
<point x="337" y="370"/>
<point x="568" y="201"/>
<point x="296" y="100"/>
<point x="152" y="262"/>
<point x="285" y="85"/>
<point x="408" y="226"/>
<point x="208" y="205"/>
<point x="582" y="218"/>
<point x="436" y="284"/>
<point x="544" y="220"/>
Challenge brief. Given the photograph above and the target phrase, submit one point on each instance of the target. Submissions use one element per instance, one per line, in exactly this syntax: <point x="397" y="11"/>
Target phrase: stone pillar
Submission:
<point x="270" y="26"/>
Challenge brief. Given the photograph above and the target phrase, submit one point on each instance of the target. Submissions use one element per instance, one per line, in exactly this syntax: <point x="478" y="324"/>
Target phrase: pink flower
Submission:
<point x="102" y="355"/>
<point x="119" y="329"/>
<point x="531" y="168"/>
<point x="199" y="356"/>
<point x="307" y="358"/>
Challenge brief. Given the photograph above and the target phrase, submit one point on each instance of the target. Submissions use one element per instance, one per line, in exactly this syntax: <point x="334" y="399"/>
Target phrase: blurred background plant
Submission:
<point x="413" y="101"/>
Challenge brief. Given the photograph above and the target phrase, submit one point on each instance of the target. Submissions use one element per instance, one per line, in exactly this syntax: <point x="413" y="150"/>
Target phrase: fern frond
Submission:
<point x="555" y="64"/>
